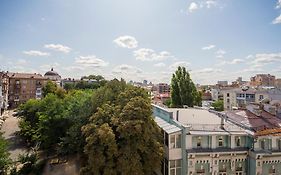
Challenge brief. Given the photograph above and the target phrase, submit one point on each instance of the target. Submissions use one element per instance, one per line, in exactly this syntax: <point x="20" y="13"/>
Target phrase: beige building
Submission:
<point x="240" y="97"/>
<point x="263" y="80"/>
<point x="278" y="83"/>
<point x="24" y="86"/>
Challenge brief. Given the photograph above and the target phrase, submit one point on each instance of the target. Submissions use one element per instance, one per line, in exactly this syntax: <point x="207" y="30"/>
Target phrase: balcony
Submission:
<point x="210" y="150"/>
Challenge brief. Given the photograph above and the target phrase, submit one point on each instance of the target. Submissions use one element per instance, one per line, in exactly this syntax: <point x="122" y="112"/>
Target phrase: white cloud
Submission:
<point x="208" y="47"/>
<point x="160" y="64"/>
<point x="264" y="58"/>
<point x="220" y="53"/>
<point x="175" y="65"/>
<point x="126" y="69"/>
<point x="21" y="62"/>
<point x="211" y="3"/>
<point x="36" y="53"/>
<point x="58" y="47"/>
<point x="237" y="61"/>
<point x="278" y="5"/>
<point x="277" y="20"/>
<point x="234" y="61"/>
<point x="90" y="61"/>
<point x="207" y="71"/>
<point x="144" y="54"/>
<point x="126" y="42"/>
<point x="192" y="7"/>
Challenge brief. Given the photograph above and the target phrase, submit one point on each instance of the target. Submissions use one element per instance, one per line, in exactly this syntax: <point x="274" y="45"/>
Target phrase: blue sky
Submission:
<point x="142" y="39"/>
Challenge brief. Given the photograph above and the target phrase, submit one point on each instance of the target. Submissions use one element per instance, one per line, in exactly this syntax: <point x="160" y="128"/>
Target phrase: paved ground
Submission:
<point x="10" y="127"/>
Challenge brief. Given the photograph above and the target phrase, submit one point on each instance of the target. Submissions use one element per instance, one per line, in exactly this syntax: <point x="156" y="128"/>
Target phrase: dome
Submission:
<point x="51" y="73"/>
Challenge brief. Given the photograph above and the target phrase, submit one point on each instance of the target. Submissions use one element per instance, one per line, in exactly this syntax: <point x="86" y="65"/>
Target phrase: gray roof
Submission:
<point x="166" y="126"/>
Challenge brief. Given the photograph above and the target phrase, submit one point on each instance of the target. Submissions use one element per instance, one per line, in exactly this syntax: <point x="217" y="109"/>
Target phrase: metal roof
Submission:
<point x="166" y="126"/>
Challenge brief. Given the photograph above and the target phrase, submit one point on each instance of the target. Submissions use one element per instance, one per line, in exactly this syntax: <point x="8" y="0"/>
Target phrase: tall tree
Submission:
<point x="183" y="90"/>
<point x="122" y="137"/>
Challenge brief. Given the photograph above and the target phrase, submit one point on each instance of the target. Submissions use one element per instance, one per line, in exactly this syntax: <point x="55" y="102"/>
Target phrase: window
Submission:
<point x="175" y="167"/>
<point x="178" y="141"/>
<point x="175" y="141"/>
<point x="262" y="144"/>
<point x="261" y="97"/>
<point x="228" y="100"/>
<point x="165" y="167"/>
<point x="279" y="144"/>
<point x="227" y="94"/>
<point x="199" y="142"/>
<point x="172" y="141"/>
<point x="220" y="142"/>
<point x="238" y="141"/>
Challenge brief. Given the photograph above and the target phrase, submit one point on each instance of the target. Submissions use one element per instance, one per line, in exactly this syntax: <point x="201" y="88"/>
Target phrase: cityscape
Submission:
<point x="191" y="87"/>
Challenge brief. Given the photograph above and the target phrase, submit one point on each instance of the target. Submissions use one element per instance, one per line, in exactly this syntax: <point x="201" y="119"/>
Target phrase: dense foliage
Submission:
<point x="122" y="137"/>
<point x="183" y="90"/>
<point x="113" y="121"/>
<point x="218" y="105"/>
<point x="4" y="155"/>
<point x="86" y="82"/>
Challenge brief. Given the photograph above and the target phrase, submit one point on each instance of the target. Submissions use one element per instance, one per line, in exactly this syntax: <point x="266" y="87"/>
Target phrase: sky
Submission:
<point x="142" y="39"/>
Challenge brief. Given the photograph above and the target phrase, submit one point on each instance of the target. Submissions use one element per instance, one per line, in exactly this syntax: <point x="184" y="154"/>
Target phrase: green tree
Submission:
<point x="122" y="137"/>
<point x="4" y="155"/>
<point x="218" y="105"/>
<point x="49" y="87"/>
<point x="183" y="90"/>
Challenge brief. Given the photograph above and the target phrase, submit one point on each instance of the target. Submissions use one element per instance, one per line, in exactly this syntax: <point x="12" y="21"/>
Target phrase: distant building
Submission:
<point x="163" y="88"/>
<point x="239" y="81"/>
<point x="4" y="83"/>
<point x="53" y="76"/>
<point x="24" y="86"/>
<point x="197" y="141"/>
<point x="240" y="97"/>
<point x="278" y="83"/>
<point x="263" y="80"/>
<point x="222" y="83"/>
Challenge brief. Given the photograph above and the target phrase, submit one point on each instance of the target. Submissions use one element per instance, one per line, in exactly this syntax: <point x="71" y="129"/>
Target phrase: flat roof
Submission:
<point x="203" y="121"/>
<point x="166" y="126"/>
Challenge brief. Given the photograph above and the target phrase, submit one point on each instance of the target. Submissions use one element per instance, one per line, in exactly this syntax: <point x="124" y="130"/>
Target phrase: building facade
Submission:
<point x="54" y="76"/>
<point x="240" y="97"/>
<point x="202" y="142"/>
<point x="23" y="86"/>
<point x="4" y="84"/>
<point x="263" y="80"/>
<point x="163" y="88"/>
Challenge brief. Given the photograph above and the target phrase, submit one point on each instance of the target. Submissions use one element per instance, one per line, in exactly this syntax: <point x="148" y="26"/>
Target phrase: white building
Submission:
<point x="240" y="97"/>
<point x="197" y="141"/>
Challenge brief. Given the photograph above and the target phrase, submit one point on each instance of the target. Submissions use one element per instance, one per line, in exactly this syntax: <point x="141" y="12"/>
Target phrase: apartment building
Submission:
<point x="197" y="141"/>
<point x="263" y="80"/>
<point x="24" y="86"/>
<point x="240" y="97"/>
<point x="163" y="88"/>
<point x="3" y="91"/>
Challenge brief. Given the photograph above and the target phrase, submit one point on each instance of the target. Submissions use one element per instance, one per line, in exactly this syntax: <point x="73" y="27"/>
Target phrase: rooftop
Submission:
<point x="254" y="119"/>
<point x="25" y="75"/>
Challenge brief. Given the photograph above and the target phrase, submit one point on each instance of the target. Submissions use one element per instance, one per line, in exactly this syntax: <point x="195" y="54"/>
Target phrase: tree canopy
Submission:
<point x="111" y="127"/>
<point x="4" y="155"/>
<point x="183" y="90"/>
<point x="122" y="137"/>
<point x="218" y="105"/>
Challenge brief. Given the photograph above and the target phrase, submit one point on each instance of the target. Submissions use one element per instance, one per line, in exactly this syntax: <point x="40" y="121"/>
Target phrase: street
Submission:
<point x="9" y="128"/>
